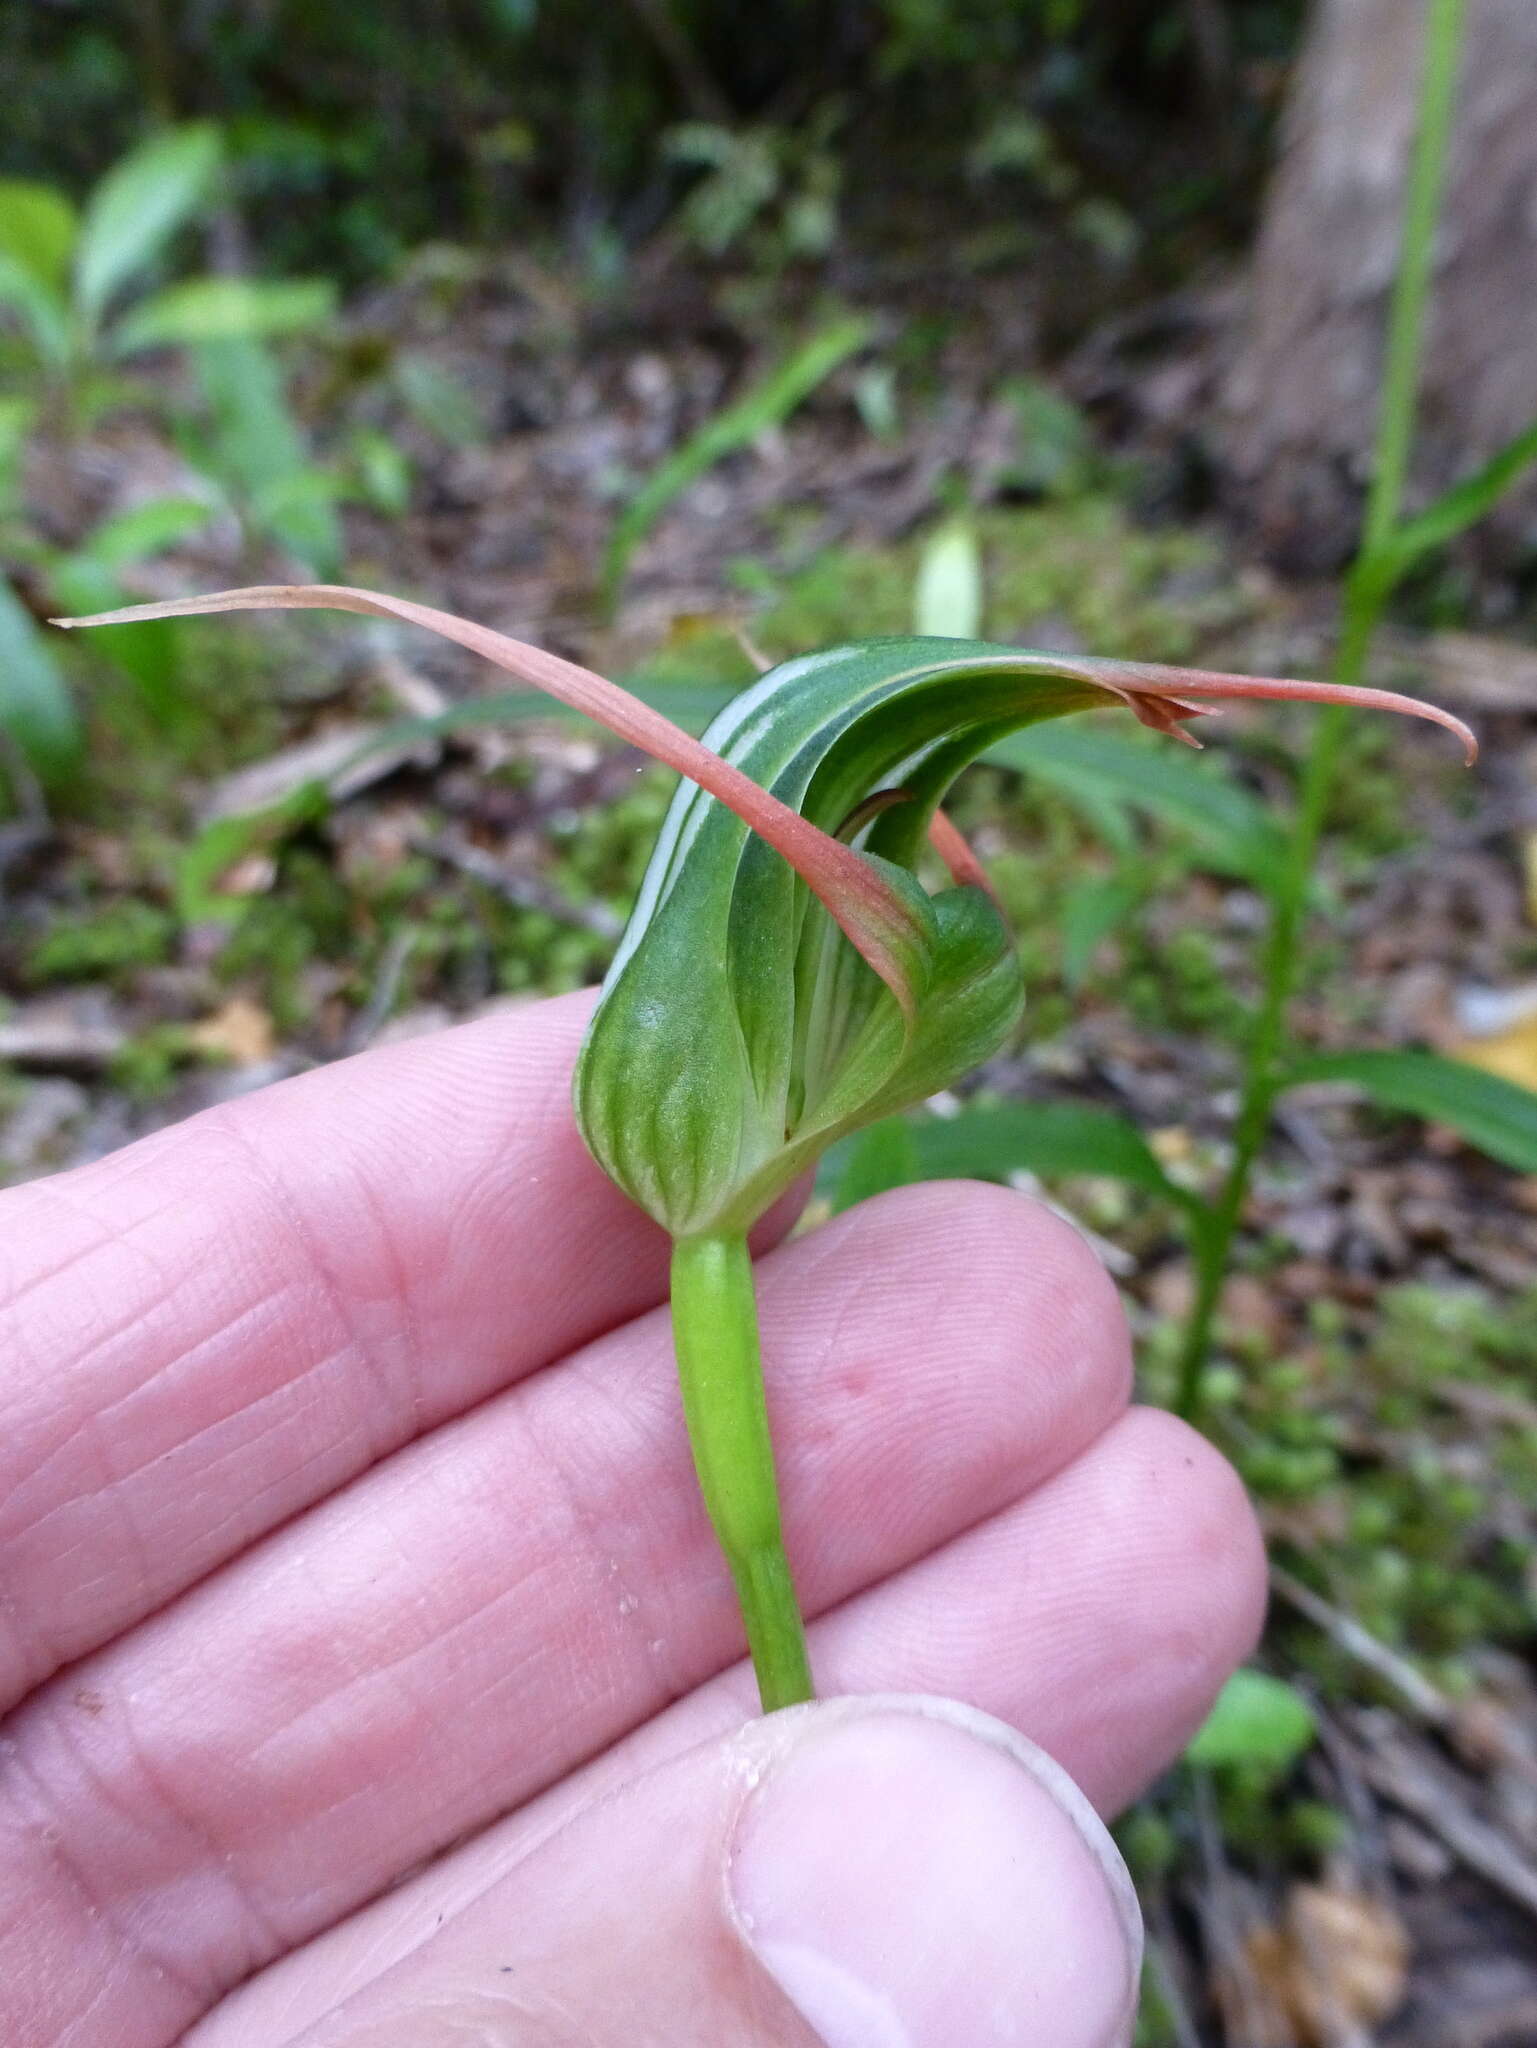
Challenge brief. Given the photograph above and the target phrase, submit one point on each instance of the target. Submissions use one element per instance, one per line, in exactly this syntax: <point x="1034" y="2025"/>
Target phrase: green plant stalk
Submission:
<point x="1367" y="590"/>
<point x="715" y="1334"/>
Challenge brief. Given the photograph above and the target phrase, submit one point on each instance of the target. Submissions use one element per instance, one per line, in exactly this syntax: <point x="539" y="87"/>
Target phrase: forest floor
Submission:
<point x="236" y="893"/>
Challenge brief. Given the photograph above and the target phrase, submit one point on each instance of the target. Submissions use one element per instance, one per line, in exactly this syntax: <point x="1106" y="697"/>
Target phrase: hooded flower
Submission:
<point x="785" y="976"/>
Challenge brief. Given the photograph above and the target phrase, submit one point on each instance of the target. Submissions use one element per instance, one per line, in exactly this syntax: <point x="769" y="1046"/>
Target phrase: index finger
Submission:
<point x="216" y="1327"/>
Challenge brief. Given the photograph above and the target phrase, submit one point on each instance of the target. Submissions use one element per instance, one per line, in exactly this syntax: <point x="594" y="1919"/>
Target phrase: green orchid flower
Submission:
<point x="786" y="977"/>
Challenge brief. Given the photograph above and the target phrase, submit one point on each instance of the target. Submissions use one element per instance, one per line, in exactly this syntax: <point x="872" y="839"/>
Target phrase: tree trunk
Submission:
<point x="1301" y="402"/>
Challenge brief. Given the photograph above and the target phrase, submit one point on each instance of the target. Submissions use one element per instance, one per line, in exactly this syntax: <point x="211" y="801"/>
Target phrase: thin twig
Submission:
<point x="1226" y="1955"/>
<point x="1160" y="1963"/>
<point x="525" y="891"/>
<point x="1424" y="1700"/>
<point x="1368" y="1846"/>
<point x="370" y="1020"/>
<point x="1429" y="1794"/>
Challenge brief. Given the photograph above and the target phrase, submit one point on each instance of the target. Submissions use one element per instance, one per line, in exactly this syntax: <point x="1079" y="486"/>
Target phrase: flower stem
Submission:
<point x="715" y="1335"/>
<point x="1367" y="591"/>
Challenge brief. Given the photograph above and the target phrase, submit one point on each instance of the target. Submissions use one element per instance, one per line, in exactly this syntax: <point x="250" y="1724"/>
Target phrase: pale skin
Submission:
<point x="369" y="1674"/>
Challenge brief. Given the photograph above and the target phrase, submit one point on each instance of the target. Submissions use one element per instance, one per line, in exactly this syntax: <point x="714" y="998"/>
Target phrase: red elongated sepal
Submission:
<point x="878" y="923"/>
<point x="1166" y="698"/>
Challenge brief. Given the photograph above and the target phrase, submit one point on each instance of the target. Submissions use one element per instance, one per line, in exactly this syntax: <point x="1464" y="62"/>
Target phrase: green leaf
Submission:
<point x="148" y="655"/>
<point x="382" y="471"/>
<point x="36" y="710"/>
<point x="88" y="579"/>
<point x="992" y="1141"/>
<point x="138" y="205"/>
<point x="16" y="418"/>
<point x="1259" y="1722"/>
<point x="44" y="314"/>
<point x="1197" y="794"/>
<point x="1055" y="453"/>
<point x="144" y="530"/>
<point x="882" y="1157"/>
<point x="948" y="598"/>
<point x="224" y="841"/>
<point x="1452" y="513"/>
<point x="1493" y="1115"/>
<point x="765" y="405"/>
<point x="1091" y="911"/>
<point x="37" y="230"/>
<point x="259" y="454"/>
<point x="224" y="309"/>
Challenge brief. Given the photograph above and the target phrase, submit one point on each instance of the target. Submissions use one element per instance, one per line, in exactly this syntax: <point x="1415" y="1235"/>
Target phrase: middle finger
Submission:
<point x="467" y="1622"/>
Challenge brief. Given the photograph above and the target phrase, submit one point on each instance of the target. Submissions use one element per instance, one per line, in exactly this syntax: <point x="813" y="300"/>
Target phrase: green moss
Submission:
<point x="103" y="942"/>
<point x="1419" y="1520"/>
<point x="466" y="939"/>
<point x="1080" y="568"/>
<point x="146" y="1067"/>
<point x="1183" y="982"/>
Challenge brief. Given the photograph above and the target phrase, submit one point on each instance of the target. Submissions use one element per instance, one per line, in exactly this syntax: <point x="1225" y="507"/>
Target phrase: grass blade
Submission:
<point x="1456" y="510"/>
<point x="989" y="1142"/>
<point x="765" y="405"/>
<point x="1492" y="1114"/>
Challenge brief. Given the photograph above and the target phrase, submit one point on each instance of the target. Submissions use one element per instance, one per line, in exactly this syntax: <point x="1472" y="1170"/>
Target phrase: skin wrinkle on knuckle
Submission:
<point x="609" y="1540"/>
<point x="76" y="1427"/>
<point x="287" y="1213"/>
<point x="146" y="1786"/>
<point x="49" y="1817"/>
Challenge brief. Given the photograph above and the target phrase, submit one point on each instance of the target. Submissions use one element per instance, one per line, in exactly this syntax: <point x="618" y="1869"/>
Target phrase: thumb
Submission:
<point x="863" y="1873"/>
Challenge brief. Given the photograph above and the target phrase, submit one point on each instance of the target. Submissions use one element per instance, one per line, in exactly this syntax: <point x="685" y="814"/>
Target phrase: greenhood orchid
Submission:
<point x="786" y="977"/>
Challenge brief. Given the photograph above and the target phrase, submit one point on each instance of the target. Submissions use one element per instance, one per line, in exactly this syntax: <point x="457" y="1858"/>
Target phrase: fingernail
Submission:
<point x="913" y="1874"/>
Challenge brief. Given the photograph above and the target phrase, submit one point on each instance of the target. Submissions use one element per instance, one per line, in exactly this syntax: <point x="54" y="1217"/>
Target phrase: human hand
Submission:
<point x="346" y="1522"/>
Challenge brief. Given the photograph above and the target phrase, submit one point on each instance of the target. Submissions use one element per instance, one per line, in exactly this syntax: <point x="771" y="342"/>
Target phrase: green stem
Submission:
<point x="1366" y="594"/>
<point x="715" y="1334"/>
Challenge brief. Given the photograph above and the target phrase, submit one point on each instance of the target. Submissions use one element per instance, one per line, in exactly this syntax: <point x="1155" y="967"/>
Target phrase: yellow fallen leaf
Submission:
<point x="241" y="1032"/>
<point x="1511" y="1053"/>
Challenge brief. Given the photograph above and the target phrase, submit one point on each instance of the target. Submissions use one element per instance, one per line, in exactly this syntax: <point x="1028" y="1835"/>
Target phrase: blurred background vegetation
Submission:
<point x="355" y="135"/>
<point x="669" y="333"/>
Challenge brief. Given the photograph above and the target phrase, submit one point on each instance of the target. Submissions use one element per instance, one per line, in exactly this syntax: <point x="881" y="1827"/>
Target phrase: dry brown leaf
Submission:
<point x="1248" y="1992"/>
<point x="346" y="758"/>
<point x="1337" y="1962"/>
<point x="241" y="1032"/>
